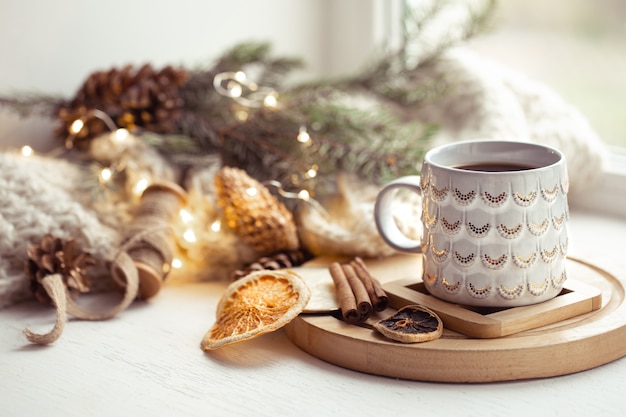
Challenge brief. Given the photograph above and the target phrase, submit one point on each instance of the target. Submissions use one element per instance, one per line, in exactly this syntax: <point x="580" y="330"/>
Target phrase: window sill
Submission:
<point x="608" y="196"/>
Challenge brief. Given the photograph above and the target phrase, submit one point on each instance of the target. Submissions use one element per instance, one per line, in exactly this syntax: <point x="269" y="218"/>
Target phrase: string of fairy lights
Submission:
<point x="234" y="85"/>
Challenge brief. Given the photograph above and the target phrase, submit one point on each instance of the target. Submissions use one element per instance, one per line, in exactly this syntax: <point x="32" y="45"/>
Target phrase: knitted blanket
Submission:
<point x="39" y="196"/>
<point x="487" y="100"/>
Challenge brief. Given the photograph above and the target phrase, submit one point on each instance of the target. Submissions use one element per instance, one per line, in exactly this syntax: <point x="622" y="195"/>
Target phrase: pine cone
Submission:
<point x="281" y="260"/>
<point x="53" y="256"/>
<point x="254" y="213"/>
<point x="132" y="98"/>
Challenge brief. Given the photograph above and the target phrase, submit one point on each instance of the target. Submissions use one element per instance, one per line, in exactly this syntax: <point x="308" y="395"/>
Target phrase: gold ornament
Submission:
<point x="254" y="213"/>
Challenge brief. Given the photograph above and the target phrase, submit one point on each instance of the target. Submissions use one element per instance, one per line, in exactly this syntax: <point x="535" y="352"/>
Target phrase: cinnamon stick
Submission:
<point x="377" y="295"/>
<point x="363" y="302"/>
<point x="347" y="300"/>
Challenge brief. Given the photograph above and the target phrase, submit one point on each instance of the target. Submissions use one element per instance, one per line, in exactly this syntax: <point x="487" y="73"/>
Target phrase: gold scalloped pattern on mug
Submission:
<point x="425" y="246"/>
<point x="525" y="200"/>
<point x="559" y="221"/>
<point x="450" y="228"/>
<point x="482" y="292"/>
<point x="550" y="195"/>
<point x="463" y="199"/>
<point x="438" y="255"/>
<point x="538" y="229"/>
<point x="549" y="256"/>
<point x="477" y="231"/>
<point x="438" y="194"/>
<point x="430" y="220"/>
<point x="494" y="200"/>
<point x="424" y="180"/>
<point x="431" y="279"/>
<point x="451" y="287"/>
<point x="510" y="293"/>
<point x="558" y="280"/>
<point x="525" y="262"/>
<point x="494" y="263"/>
<point x="538" y="289"/>
<point x="510" y="233"/>
<point x="452" y="225"/>
<point x="464" y="260"/>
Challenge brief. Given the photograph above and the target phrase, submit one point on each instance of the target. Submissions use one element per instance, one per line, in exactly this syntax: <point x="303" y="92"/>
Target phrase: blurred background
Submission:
<point x="578" y="47"/>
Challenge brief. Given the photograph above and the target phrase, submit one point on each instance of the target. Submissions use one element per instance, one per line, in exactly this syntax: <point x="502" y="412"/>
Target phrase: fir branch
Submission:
<point x="206" y="111"/>
<point x="202" y="128"/>
<point x="199" y="93"/>
<point x="32" y="104"/>
<point x="414" y="19"/>
<point x="172" y="144"/>
<point x="371" y="143"/>
<point x="401" y="75"/>
<point x="431" y="28"/>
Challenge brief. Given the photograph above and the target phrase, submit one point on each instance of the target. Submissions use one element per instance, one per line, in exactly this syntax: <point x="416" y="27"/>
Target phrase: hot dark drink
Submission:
<point x="494" y="167"/>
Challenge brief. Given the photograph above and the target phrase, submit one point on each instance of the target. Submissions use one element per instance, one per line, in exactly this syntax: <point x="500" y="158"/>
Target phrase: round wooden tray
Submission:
<point x="576" y="344"/>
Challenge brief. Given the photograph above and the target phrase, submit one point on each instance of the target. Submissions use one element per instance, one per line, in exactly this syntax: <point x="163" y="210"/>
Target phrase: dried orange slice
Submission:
<point x="411" y="324"/>
<point x="260" y="302"/>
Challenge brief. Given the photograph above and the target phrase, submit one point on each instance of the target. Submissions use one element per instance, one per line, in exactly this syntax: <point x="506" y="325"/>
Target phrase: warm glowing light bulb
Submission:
<point x="216" y="226"/>
<point x="140" y="186"/>
<point x="241" y="115"/>
<point x="121" y="135"/>
<point x="252" y="192"/>
<point x="106" y="174"/>
<point x="27" y="151"/>
<point x="234" y="89"/>
<point x="185" y="216"/>
<point x="190" y="236"/>
<point x="76" y="126"/>
<point x="270" y="101"/>
<point x="303" y="135"/>
<point x="177" y="263"/>
<point x="312" y="172"/>
<point x="304" y="195"/>
<point x="240" y="76"/>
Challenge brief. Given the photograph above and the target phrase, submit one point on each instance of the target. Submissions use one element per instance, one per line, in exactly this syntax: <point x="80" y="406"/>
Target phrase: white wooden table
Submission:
<point x="147" y="362"/>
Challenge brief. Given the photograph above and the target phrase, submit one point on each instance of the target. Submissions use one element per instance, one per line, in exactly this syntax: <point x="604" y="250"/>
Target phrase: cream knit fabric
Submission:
<point x="39" y="196"/>
<point x="488" y="101"/>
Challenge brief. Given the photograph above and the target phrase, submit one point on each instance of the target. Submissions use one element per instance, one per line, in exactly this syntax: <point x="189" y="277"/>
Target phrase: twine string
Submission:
<point x="53" y="284"/>
<point x="147" y="241"/>
<point x="147" y="245"/>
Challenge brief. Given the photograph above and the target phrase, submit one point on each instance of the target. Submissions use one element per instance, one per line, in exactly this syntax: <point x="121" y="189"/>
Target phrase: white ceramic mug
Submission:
<point x="494" y="216"/>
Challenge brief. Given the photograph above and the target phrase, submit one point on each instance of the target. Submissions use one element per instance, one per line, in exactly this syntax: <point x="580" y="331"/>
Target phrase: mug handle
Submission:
<point x="386" y="225"/>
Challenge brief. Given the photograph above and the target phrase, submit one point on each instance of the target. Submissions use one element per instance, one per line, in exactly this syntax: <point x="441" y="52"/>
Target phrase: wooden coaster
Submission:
<point x="575" y="299"/>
